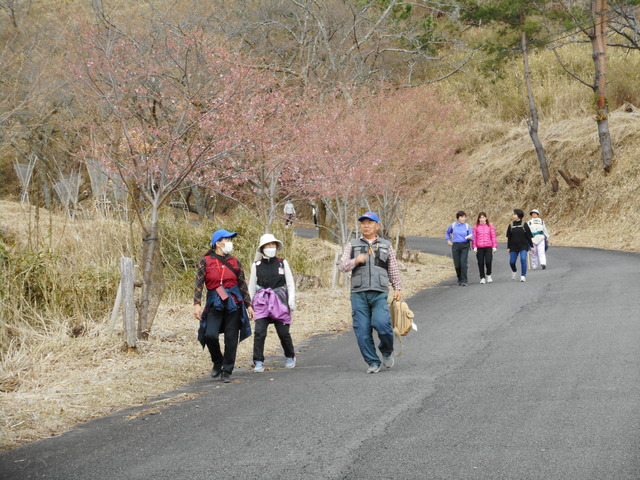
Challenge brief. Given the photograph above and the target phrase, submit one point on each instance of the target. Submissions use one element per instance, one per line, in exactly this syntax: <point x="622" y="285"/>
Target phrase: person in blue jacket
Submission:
<point x="459" y="236"/>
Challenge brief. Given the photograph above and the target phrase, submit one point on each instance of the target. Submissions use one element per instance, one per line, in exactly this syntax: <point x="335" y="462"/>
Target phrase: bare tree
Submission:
<point x="338" y="44"/>
<point x="593" y="23"/>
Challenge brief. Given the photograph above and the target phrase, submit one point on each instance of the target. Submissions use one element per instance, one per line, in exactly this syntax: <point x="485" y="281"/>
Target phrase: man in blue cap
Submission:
<point x="373" y="265"/>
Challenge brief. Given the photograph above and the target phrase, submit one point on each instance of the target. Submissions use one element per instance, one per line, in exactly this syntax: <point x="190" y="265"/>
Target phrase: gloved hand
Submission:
<point x="475" y="250"/>
<point x="494" y="250"/>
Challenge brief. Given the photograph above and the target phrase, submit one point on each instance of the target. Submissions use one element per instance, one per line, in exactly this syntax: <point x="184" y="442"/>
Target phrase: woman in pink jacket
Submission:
<point x="484" y="245"/>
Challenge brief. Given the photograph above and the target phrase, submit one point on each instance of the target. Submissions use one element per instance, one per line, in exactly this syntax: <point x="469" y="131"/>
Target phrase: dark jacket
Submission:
<point x="214" y="301"/>
<point x="519" y="236"/>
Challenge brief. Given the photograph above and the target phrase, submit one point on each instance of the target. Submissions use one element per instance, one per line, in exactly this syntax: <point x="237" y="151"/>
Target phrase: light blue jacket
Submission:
<point x="457" y="232"/>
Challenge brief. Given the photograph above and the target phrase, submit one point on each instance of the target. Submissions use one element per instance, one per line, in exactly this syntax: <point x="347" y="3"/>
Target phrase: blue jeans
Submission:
<point x="513" y="256"/>
<point x="370" y="310"/>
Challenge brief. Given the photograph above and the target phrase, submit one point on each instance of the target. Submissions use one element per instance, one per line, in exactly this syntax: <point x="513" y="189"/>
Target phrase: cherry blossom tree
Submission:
<point x="378" y="152"/>
<point x="164" y="102"/>
<point x="267" y="169"/>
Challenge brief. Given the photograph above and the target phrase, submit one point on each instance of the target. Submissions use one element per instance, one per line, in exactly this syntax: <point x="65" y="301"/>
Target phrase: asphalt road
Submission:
<point x="510" y="380"/>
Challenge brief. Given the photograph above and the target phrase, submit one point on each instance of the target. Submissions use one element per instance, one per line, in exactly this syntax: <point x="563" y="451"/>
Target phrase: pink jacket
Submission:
<point x="484" y="235"/>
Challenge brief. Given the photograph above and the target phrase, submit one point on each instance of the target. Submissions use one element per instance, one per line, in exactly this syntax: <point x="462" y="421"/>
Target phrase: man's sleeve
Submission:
<point x="394" y="271"/>
<point x="346" y="262"/>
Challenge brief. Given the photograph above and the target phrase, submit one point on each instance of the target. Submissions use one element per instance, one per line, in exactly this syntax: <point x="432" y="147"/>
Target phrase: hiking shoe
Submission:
<point x="514" y="275"/>
<point x="388" y="361"/>
<point x="225" y="377"/>
<point x="290" y="362"/>
<point x="523" y="278"/>
<point x="489" y="279"/>
<point x="258" y="367"/>
<point x="373" y="369"/>
<point x="482" y="281"/>
<point x="215" y="372"/>
<point x="544" y="267"/>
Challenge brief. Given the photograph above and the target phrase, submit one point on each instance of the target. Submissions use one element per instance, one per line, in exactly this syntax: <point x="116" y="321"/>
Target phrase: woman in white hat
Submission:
<point x="540" y="239"/>
<point x="273" y="291"/>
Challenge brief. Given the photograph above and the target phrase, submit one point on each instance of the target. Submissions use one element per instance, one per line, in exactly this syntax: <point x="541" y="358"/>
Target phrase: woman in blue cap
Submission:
<point x="228" y="308"/>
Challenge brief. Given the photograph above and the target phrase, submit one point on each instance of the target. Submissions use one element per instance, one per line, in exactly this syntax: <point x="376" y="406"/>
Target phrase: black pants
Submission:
<point x="227" y="323"/>
<point x="485" y="257"/>
<point x="460" y="254"/>
<point x="260" y="335"/>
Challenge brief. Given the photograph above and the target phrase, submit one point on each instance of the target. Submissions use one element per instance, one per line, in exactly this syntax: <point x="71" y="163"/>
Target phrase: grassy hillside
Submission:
<point x="502" y="173"/>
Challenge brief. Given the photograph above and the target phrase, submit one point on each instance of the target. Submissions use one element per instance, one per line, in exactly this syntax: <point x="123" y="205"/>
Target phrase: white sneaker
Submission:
<point x="514" y="275"/>
<point x="523" y="278"/>
<point x="373" y="369"/>
<point x="482" y="281"/>
<point x="289" y="362"/>
<point x="258" y="367"/>
<point x="489" y="279"/>
<point x="388" y="361"/>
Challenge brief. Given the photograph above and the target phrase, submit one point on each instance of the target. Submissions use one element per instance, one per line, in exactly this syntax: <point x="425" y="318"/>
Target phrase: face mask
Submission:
<point x="269" y="252"/>
<point x="228" y="247"/>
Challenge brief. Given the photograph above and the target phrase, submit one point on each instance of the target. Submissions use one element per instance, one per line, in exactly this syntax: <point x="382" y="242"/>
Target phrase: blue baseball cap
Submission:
<point x="369" y="216"/>
<point x="220" y="234"/>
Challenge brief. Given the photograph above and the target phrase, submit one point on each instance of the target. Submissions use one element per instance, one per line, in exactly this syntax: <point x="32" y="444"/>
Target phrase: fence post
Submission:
<point x="128" y="302"/>
<point x="115" y="311"/>
<point x="334" y="276"/>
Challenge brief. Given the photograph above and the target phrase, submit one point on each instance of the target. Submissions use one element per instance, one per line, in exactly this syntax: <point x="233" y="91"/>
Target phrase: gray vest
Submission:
<point x="373" y="276"/>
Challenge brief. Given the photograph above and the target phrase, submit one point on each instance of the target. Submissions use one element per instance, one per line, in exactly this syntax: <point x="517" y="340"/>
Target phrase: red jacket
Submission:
<point x="484" y="236"/>
<point x="218" y="273"/>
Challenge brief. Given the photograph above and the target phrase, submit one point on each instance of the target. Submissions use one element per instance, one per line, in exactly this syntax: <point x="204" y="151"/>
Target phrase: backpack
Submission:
<point x="401" y="321"/>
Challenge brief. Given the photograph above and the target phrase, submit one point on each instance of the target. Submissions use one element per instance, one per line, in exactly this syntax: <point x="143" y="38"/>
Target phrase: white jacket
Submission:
<point x="538" y="230"/>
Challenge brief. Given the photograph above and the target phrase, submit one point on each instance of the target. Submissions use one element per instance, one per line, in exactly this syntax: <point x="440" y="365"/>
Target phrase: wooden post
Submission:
<point x="128" y="302"/>
<point x="115" y="311"/>
<point x="334" y="277"/>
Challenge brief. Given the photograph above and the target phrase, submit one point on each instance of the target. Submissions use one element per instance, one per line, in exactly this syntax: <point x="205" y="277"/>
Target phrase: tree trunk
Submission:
<point x="203" y="202"/>
<point x="599" y="43"/>
<point x="532" y="121"/>
<point x="153" y="284"/>
<point x="324" y="232"/>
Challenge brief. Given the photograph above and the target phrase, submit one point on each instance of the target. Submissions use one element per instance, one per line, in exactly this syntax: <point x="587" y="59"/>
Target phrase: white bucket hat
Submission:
<point x="535" y="210"/>
<point x="268" y="238"/>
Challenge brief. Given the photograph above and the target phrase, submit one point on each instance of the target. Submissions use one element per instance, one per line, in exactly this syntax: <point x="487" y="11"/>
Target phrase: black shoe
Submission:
<point x="544" y="267"/>
<point x="225" y="377"/>
<point x="215" y="372"/>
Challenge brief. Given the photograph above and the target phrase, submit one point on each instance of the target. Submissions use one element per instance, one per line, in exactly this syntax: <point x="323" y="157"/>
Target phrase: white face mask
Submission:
<point x="228" y="247"/>
<point x="269" y="252"/>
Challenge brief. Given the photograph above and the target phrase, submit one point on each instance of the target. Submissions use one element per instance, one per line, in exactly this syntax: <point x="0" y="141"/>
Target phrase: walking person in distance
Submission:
<point x="373" y="265"/>
<point x="458" y="236"/>
<point x="540" y="239"/>
<point x="518" y="244"/>
<point x="484" y="245"/>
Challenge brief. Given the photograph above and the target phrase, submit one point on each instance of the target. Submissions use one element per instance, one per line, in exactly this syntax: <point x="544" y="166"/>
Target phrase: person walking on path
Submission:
<point x="273" y="291"/>
<point x="228" y="307"/>
<point x="458" y="236"/>
<point x="373" y="265"/>
<point x="289" y="212"/>
<point x="518" y="243"/>
<point x="540" y="239"/>
<point x="484" y="245"/>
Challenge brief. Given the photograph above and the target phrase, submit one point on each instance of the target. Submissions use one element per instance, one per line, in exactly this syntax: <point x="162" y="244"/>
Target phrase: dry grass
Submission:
<point x="54" y="381"/>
